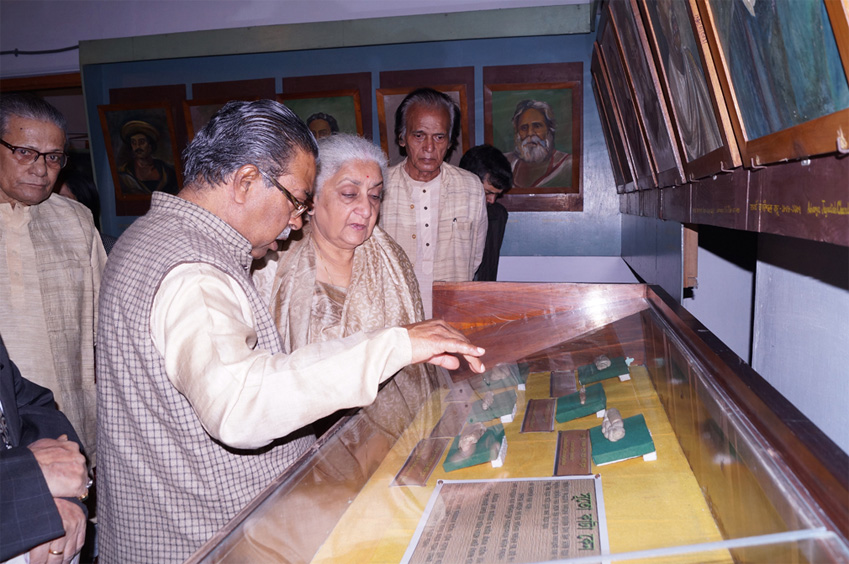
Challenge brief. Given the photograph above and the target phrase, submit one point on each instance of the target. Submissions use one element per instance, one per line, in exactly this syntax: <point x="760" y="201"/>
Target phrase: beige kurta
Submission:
<point x="51" y="260"/>
<point x="460" y="220"/>
<point x="244" y="396"/>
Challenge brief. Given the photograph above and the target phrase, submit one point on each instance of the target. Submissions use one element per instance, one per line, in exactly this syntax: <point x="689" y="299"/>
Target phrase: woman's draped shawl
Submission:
<point x="383" y="292"/>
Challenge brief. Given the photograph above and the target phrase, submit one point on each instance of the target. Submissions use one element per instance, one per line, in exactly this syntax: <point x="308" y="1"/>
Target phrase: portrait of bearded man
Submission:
<point x="535" y="161"/>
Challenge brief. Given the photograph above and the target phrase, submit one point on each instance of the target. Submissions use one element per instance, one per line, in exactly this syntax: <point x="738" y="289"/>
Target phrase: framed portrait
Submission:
<point x="783" y="68"/>
<point x="345" y="97"/>
<point x="328" y="112"/>
<point x="620" y="160"/>
<point x="626" y="107"/>
<point x="142" y="151"/>
<point x="532" y="113"/>
<point x="171" y="95"/>
<point x="388" y="100"/>
<point x="209" y="97"/>
<point x="650" y="102"/>
<point x="688" y="80"/>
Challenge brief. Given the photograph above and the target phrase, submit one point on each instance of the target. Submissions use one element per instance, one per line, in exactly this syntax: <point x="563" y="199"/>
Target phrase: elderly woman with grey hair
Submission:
<point x="346" y="274"/>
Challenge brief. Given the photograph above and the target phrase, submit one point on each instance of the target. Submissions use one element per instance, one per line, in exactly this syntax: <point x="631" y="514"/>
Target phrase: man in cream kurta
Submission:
<point x="200" y="405"/>
<point x="51" y="258"/>
<point x="435" y="211"/>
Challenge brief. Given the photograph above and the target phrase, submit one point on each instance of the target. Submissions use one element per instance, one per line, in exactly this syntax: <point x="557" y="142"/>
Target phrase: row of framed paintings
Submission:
<point x="692" y="88"/>
<point x="146" y="128"/>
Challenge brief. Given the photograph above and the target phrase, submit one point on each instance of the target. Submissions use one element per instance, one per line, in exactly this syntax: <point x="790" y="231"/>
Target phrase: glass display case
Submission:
<point x="739" y="476"/>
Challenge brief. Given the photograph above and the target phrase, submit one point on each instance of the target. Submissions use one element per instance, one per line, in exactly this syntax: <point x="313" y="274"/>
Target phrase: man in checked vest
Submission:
<point x="193" y="384"/>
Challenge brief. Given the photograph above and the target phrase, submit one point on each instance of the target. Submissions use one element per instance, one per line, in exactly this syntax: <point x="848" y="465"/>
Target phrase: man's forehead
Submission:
<point x="532" y="115"/>
<point x="303" y="167"/>
<point x="488" y="187"/>
<point x="31" y="132"/>
<point x="421" y="112"/>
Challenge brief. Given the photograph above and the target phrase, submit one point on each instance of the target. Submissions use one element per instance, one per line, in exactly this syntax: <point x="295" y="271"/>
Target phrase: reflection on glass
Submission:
<point x="783" y="61"/>
<point x="685" y="76"/>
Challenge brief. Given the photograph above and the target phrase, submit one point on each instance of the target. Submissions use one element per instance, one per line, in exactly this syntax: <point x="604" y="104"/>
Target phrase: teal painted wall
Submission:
<point x="593" y="232"/>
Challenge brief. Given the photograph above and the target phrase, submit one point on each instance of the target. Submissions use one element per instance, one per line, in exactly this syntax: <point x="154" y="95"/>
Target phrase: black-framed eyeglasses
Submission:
<point x="27" y="156"/>
<point x="300" y="207"/>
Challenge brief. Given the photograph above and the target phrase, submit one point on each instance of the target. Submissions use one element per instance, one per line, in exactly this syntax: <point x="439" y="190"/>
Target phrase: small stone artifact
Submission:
<point x="613" y="428"/>
<point x="602" y="361"/>
<point x="470" y="438"/>
<point x="500" y="372"/>
<point x="583" y="395"/>
<point x="487" y="401"/>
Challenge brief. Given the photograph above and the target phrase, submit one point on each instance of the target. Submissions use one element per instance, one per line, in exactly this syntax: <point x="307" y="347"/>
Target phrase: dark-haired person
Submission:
<point x="200" y="405"/>
<point x="51" y="259"/>
<point x="434" y="210"/>
<point x="77" y="186"/>
<point x="493" y="168"/>
<point x="322" y="125"/>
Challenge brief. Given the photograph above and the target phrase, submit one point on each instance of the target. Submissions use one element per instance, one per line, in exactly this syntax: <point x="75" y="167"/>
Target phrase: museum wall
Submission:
<point x="592" y="232"/>
<point x="801" y="328"/>
<point x="773" y="261"/>
<point x="780" y="303"/>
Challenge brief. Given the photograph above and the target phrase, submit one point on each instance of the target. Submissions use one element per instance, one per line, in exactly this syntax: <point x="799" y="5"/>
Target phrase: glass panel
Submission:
<point x="783" y="61"/>
<point x="714" y="480"/>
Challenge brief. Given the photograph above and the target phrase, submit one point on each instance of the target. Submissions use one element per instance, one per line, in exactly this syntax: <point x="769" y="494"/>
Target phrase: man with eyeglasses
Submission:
<point x="200" y="405"/>
<point x="51" y="260"/>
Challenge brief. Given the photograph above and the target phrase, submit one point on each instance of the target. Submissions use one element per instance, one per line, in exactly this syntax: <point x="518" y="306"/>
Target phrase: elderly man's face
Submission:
<point x="320" y="128"/>
<point x="29" y="184"/>
<point x="427" y="140"/>
<point x="533" y="139"/>
<point x="270" y="213"/>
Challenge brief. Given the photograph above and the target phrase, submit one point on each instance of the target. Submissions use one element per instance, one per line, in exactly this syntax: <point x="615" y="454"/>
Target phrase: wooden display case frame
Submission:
<point x="775" y="484"/>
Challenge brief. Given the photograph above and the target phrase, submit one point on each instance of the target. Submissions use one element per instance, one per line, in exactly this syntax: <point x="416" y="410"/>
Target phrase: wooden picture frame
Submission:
<point x="551" y="180"/>
<point x="800" y="107"/>
<point x="197" y="113"/>
<point x="620" y="158"/>
<point x="410" y="79"/>
<point x="302" y="89"/>
<point x="623" y="100"/>
<point x="121" y="123"/>
<point x="342" y="108"/>
<point x="209" y="97"/>
<point x="703" y="131"/>
<point x="388" y="100"/>
<point x="646" y="91"/>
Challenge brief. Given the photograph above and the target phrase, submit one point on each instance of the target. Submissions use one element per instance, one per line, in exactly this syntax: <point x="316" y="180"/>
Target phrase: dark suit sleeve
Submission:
<point x="28" y="514"/>
<point x="39" y="418"/>
<point x="488" y="269"/>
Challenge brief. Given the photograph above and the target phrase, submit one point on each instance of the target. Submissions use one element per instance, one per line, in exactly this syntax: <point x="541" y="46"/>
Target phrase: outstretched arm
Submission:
<point x="436" y="342"/>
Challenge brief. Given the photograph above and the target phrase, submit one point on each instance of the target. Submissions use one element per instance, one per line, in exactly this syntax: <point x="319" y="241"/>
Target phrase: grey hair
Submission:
<point x="337" y="150"/>
<point x="31" y="107"/>
<point x="538" y="105"/>
<point x="434" y="99"/>
<point x="263" y="132"/>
